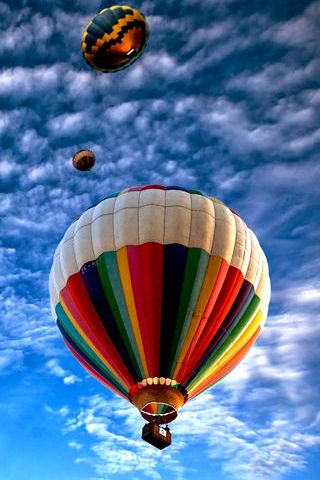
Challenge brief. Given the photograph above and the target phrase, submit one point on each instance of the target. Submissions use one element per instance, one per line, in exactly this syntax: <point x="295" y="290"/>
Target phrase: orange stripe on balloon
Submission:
<point x="238" y="342"/>
<point x="124" y="271"/>
<point x="212" y="284"/>
<point x="224" y="369"/>
<point x="226" y="297"/>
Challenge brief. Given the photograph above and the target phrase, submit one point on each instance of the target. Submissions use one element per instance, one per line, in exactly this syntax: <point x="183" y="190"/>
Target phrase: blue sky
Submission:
<point x="225" y="99"/>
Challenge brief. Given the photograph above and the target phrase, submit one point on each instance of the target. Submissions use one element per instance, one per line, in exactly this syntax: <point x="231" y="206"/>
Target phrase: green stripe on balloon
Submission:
<point x="196" y="266"/>
<point x="217" y="354"/>
<point x="111" y="283"/>
<point x="194" y="192"/>
<point x="237" y="331"/>
<point x="246" y="317"/>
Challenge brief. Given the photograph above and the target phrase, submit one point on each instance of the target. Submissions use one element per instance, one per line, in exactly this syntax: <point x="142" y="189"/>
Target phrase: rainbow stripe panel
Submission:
<point x="159" y="282"/>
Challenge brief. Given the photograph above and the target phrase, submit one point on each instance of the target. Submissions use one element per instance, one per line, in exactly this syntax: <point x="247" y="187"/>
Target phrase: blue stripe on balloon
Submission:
<point x="174" y="263"/>
<point x="90" y="276"/>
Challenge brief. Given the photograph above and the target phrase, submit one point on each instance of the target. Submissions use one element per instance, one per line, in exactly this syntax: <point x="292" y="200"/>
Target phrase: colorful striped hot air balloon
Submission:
<point x="159" y="292"/>
<point x="114" y="38"/>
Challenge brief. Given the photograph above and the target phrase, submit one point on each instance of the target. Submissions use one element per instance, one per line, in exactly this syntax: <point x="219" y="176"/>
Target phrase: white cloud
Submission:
<point x="31" y="140"/>
<point x="37" y="31"/>
<point x="275" y="78"/>
<point x="6" y="167"/>
<point x="158" y="66"/>
<point x="210" y="35"/>
<point x="62" y="412"/>
<point x="26" y="82"/>
<point x="122" y="113"/>
<point x="54" y="368"/>
<point x="246" y="451"/>
<point x="229" y="434"/>
<point x="300" y="31"/>
<point x="10" y="360"/>
<point x="304" y="295"/>
<point x="25" y="326"/>
<point x="115" y="428"/>
<point x="67" y="124"/>
<point x="75" y="445"/>
<point x="41" y="172"/>
<point x="304" y="142"/>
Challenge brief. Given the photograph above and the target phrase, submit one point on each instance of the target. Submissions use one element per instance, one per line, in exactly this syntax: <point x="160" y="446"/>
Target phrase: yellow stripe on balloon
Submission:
<point x="116" y="29"/>
<point x="235" y="347"/>
<point x="206" y="290"/>
<point x="123" y="265"/>
<point x="200" y="388"/>
<point x="136" y="14"/>
<point x="239" y="343"/>
<point x="93" y="348"/>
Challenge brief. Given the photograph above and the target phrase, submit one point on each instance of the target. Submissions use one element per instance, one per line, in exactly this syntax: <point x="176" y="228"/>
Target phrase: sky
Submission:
<point x="226" y="100"/>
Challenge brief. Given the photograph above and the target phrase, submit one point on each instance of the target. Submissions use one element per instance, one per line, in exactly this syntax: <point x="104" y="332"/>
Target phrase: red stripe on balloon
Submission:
<point x="153" y="187"/>
<point x="93" y="372"/>
<point x="146" y="187"/>
<point x="227" y="295"/>
<point x="225" y="369"/>
<point x="133" y="189"/>
<point x="218" y="284"/>
<point x="80" y="306"/>
<point x="146" y="270"/>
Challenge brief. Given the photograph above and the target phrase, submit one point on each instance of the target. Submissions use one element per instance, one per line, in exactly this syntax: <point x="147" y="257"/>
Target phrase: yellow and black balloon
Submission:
<point x="114" y="38"/>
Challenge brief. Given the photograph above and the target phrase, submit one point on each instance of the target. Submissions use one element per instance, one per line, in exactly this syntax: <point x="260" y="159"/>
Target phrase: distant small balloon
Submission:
<point x="83" y="160"/>
<point x="114" y="38"/>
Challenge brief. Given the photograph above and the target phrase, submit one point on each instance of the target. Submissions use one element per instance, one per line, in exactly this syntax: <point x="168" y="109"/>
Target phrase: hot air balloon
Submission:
<point x="83" y="160"/>
<point x="114" y="38"/>
<point x="159" y="292"/>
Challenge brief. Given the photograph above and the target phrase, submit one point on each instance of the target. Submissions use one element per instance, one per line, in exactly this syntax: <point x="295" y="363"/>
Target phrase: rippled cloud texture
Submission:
<point x="225" y="99"/>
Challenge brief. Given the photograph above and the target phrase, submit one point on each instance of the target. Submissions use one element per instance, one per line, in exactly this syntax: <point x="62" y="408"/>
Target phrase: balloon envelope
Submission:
<point x="159" y="292"/>
<point x="114" y="38"/>
<point x="83" y="160"/>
